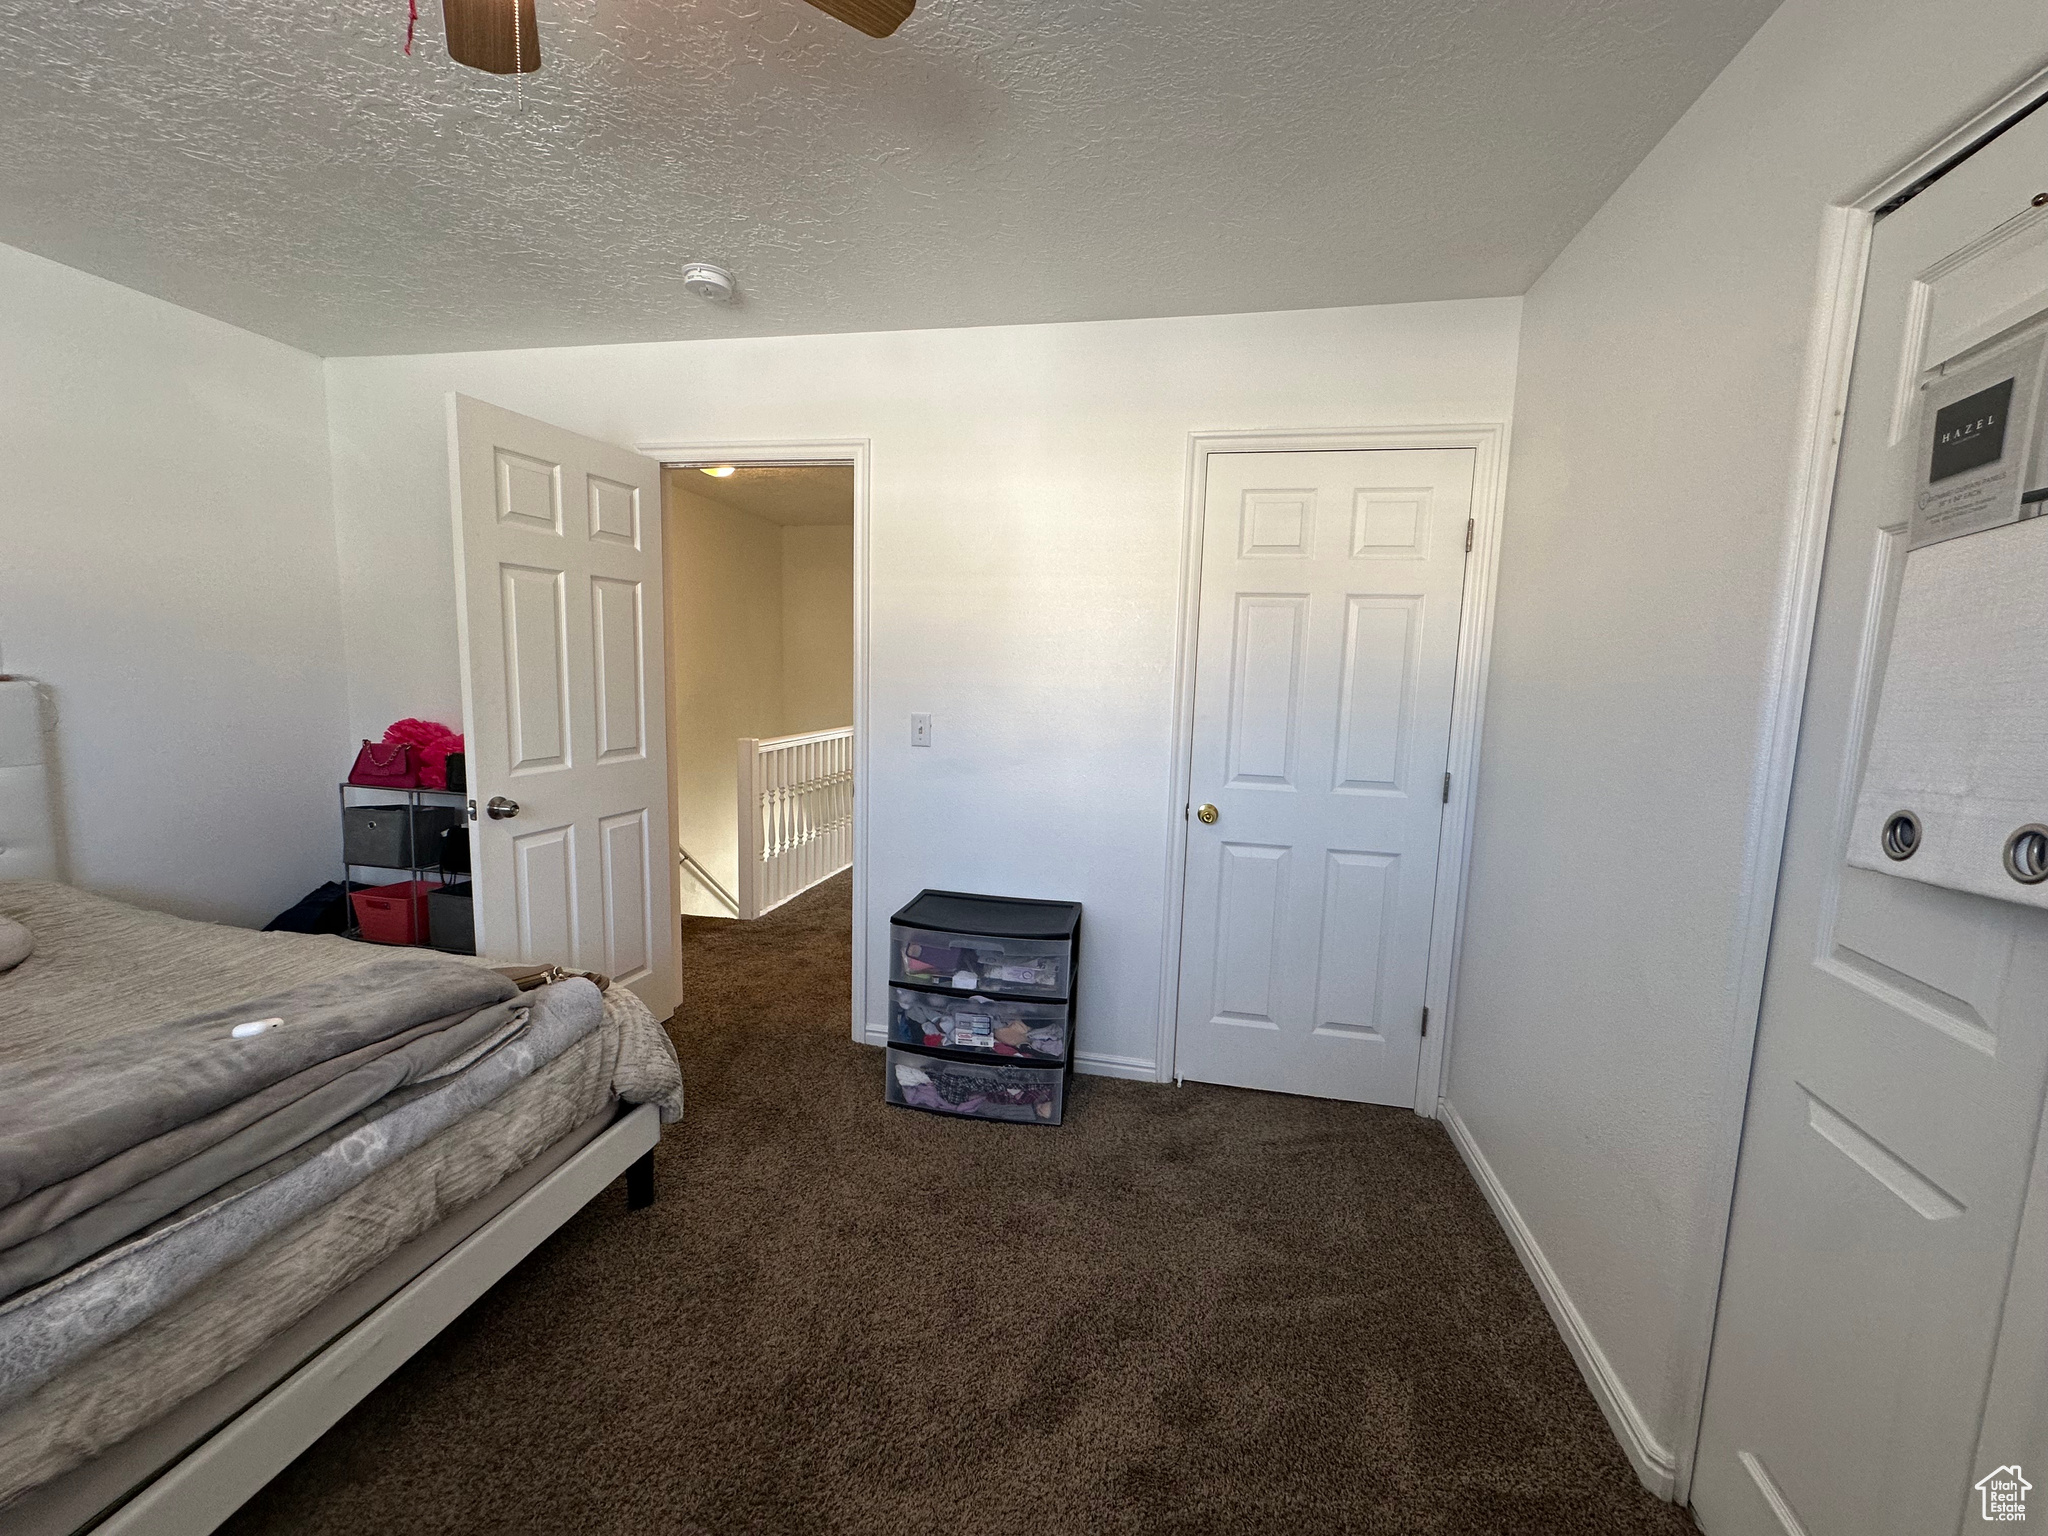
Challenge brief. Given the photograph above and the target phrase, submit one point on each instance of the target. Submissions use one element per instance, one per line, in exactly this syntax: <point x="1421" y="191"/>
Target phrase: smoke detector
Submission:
<point x="706" y="281"/>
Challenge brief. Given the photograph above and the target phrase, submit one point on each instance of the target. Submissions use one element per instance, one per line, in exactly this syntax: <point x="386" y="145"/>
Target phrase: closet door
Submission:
<point x="1897" y="1086"/>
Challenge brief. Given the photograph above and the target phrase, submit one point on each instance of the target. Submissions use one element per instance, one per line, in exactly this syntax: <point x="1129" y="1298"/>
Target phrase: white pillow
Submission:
<point x="15" y="943"/>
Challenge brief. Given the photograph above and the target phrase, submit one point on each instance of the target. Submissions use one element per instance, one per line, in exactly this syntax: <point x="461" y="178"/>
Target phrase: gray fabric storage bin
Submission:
<point x="397" y="836"/>
<point x="451" y="919"/>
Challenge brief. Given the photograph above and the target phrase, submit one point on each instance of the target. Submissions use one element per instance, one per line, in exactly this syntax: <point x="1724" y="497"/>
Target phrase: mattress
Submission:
<point x="145" y="1361"/>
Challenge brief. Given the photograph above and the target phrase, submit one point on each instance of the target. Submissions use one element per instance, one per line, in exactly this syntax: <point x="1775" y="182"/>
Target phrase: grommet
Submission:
<point x="1901" y="835"/>
<point x="2026" y="854"/>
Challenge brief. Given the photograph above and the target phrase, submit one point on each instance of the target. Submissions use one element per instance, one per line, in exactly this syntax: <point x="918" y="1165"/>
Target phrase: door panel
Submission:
<point x="620" y="689"/>
<point x="1249" y="919"/>
<point x="1903" y="1045"/>
<point x="629" y="899"/>
<point x="559" y="555"/>
<point x="1325" y="653"/>
<point x="1265" y="692"/>
<point x="544" y="874"/>
<point x="536" y="668"/>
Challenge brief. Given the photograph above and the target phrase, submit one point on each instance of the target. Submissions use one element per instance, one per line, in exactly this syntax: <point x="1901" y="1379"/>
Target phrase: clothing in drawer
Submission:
<point x="1029" y="1095"/>
<point x="1000" y="1026"/>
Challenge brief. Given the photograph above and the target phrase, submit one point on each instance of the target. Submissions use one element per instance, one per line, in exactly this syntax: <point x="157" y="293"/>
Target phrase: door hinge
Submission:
<point x="1468" y="534"/>
<point x="1447" y="789"/>
<point x="1425" y="1023"/>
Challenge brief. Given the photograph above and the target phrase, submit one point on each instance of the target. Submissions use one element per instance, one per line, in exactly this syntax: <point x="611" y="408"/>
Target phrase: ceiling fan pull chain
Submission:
<point x="518" y="64"/>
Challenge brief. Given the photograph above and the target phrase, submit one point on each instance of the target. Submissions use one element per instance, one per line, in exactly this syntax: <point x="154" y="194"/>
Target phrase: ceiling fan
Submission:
<point x="502" y="37"/>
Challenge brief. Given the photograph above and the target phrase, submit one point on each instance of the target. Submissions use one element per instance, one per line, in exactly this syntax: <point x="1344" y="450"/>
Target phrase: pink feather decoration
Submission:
<point x="431" y="745"/>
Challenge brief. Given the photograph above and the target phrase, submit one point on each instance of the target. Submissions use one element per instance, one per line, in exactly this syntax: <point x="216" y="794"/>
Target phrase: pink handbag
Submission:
<point x="385" y="765"/>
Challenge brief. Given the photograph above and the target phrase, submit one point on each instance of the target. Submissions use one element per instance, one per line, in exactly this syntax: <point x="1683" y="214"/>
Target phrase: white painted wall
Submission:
<point x="1026" y="495"/>
<point x="725" y="627"/>
<point x="817" y="628"/>
<point x="1601" y="1037"/>
<point x="167" y="566"/>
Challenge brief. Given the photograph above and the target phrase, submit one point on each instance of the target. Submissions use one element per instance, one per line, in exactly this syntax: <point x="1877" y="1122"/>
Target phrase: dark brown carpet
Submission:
<point x="1187" y="1310"/>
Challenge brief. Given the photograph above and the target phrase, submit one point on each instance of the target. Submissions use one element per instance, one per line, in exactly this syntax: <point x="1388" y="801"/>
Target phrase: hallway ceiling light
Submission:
<point x="719" y="471"/>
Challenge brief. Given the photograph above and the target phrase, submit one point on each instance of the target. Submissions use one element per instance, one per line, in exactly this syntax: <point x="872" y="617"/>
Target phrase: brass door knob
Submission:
<point x="1206" y="815"/>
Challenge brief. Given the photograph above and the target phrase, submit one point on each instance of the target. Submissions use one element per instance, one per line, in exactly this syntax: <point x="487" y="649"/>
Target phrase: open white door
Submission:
<point x="559" y="603"/>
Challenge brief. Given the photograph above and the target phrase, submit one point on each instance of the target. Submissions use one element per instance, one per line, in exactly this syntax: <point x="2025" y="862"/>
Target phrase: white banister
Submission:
<point x="796" y="815"/>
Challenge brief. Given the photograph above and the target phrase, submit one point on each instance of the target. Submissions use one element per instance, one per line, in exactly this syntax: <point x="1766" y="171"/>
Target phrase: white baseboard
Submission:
<point x="1141" y="1069"/>
<point x="1655" y="1465"/>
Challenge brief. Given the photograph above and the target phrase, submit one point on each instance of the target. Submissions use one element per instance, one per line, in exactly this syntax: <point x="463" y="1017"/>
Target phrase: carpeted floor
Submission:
<point x="1192" y="1310"/>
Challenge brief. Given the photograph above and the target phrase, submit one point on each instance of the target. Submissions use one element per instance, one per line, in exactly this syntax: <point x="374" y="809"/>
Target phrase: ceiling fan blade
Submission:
<point x="480" y="35"/>
<point x="877" y="18"/>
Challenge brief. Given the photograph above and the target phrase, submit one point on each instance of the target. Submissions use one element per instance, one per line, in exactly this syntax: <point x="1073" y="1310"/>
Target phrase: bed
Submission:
<point x="196" y="1285"/>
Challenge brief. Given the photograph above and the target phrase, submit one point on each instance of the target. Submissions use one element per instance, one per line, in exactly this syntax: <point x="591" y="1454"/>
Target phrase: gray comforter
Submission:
<point x="70" y="1105"/>
<point x="89" y="1355"/>
<point x="101" y="1137"/>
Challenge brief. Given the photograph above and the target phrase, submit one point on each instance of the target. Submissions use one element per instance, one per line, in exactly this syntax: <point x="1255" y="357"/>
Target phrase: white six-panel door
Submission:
<point x="1876" y="1279"/>
<point x="1326" y="648"/>
<point x="558" y="560"/>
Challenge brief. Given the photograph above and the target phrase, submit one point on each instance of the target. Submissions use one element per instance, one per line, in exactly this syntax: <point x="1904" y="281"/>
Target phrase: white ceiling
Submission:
<point x="286" y="168"/>
<point x="794" y="495"/>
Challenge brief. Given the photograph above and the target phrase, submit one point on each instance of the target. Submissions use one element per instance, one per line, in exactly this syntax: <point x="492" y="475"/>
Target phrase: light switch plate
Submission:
<point x="920" y="730"/>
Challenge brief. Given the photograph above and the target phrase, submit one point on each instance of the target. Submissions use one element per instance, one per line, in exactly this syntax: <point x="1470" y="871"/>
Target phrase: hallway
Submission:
<point x="1187" y="1310"/>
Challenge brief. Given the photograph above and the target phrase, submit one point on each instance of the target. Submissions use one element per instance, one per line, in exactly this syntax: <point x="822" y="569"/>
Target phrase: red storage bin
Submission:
<point x="394" y="914"/>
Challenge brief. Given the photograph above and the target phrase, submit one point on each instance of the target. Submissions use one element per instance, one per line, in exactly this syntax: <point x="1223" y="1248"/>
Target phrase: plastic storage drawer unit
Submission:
<point x="981" y="1006"/>
<point x="931" y="1080"/>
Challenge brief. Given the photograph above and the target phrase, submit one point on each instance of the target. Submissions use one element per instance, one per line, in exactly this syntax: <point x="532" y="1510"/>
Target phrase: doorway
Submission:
<point x="760" y="665"/>
<point x="1337" y="595"/>
<point x="765" y="614"/>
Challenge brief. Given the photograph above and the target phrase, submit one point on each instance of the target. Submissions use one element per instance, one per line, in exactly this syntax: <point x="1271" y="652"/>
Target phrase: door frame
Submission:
<point x="1489" y="443"/>
<point x="855" y="451"/>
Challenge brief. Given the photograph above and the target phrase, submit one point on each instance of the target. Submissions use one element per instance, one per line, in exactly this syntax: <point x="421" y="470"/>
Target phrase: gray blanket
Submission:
<point x="101" y="1136"/>
<point x="67" y="1107"/>
<point x="46" y="1329"/>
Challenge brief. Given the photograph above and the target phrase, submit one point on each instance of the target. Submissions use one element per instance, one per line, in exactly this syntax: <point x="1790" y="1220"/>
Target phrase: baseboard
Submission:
<point x="1656" y="1466"/>
<point x="1137" y="1068"/>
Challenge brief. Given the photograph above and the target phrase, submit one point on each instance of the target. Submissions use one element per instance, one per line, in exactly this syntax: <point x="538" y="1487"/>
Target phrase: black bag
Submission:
<point x="321" y="911"/>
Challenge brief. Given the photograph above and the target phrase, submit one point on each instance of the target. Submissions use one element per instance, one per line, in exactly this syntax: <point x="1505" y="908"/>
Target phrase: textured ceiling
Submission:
<point x="794" y="495"/>
<point x="287" y="168"/>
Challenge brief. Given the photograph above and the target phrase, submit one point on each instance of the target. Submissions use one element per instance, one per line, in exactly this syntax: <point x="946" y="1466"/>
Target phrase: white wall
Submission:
<point x="167" y="566"/>
<point x="1601" y="1035"/>
<point x="726" y="670"/>
<point x="1026" y="500"/>
<point x="817" y="628"/>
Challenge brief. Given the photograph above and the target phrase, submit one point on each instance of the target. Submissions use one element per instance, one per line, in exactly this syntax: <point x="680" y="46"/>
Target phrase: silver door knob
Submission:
<point x="1206" y="815"/>
<point x="498" y="808"/>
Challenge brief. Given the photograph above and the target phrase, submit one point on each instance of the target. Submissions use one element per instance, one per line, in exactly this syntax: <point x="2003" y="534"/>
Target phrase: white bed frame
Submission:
<point x="195" y="1467"/>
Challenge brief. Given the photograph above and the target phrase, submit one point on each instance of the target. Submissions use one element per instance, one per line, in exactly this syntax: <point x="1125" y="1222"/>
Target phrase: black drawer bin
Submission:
<point x="398" y="836"/>
<point x="451" y="919"/>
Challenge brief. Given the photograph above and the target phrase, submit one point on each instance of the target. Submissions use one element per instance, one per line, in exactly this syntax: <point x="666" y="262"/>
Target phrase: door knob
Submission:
<point x="1207" y="814"/>
<point x="498" y="808"/>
